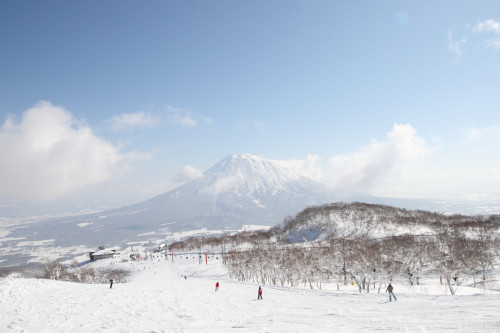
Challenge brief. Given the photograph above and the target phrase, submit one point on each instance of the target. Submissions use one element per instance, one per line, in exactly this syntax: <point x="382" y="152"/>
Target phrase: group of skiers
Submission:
<point x="390" y="290"/>
<point x="259" y="292"/>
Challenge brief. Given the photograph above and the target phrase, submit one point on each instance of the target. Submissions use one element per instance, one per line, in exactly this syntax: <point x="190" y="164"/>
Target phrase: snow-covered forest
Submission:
<point x="366" y="245"/>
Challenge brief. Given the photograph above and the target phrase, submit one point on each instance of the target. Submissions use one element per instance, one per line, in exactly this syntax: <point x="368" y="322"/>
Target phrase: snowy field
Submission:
<point x="158" y="298"/>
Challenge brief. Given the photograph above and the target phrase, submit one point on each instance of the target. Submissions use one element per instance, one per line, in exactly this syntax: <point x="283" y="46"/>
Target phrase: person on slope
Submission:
<point x="110" y="283"/>
<point x="259" y="293"/>
<point x="389" y="290"/>
<point x="217" y="286"/>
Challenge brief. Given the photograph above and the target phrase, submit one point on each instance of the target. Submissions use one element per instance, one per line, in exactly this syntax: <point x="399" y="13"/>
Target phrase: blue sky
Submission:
<point x="123" y="100"/>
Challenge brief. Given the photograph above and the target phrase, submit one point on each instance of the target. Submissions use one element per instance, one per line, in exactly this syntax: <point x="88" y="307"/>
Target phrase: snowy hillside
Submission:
<point x="158" y="298"/>
<point x="348" y="220"/>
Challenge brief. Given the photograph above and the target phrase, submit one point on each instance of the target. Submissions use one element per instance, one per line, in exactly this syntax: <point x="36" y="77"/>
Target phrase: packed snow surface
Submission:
<point x="180" y="296"/>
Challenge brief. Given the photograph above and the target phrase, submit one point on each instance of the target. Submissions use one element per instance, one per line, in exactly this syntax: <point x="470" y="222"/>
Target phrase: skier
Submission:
<point x="217" y="286"/>
<point x="110" y="283"/>
<point x="389" y="290"/>
<point x="260" y="293"/>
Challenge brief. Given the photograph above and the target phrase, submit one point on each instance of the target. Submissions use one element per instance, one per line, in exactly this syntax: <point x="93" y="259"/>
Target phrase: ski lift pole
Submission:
<point x="206" y="258"/>
<point x="199" y="254"/>
<point x="343" y="257"/>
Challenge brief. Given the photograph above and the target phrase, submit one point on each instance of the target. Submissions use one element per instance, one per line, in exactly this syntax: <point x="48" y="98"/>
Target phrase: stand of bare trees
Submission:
<point x="367" y="262"/>
<point x="450" y="247"/>
<point x="54" y="270"/>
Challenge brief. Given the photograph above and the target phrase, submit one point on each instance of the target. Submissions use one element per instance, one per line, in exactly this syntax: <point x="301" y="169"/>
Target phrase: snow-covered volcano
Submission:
<point x="239" y="190"/>
<point x="249" y="173"/>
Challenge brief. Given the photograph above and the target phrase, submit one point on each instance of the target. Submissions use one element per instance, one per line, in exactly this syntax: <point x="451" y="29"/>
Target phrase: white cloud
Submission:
<point x="361" y="170"/>
<point x="493" y="43"/>
<point x="483" y="135"/>
<point x="208" y="121"/>
<point x="48" y="153"/>
<point x="308" y="167"/>
<point x="406" y="165"/>
<point x="456" y="46"/>
<point x="188" y="173"/>
<point x="177" y="116"/>
<point x="478" y="32"/>
<point x="223" y="184"/>
<point x="367" y="167"/>
<point x="181" y="117"/>
<point x="487" y="26"/>
<point x="128" y="121"/>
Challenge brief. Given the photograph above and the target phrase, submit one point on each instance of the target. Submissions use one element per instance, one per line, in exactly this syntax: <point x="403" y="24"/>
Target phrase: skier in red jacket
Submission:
<point x="260" y="293"/>
<point x="217" y="286"/>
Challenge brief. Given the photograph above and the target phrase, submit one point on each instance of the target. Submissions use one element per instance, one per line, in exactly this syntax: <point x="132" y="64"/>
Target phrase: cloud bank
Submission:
<point x="367" y="167"/>
<point x="48" y="153"/>
<point x="361" y="170"/>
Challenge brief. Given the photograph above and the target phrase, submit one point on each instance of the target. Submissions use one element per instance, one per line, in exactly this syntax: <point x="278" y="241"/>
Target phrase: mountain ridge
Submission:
<point x="245" y="183"/>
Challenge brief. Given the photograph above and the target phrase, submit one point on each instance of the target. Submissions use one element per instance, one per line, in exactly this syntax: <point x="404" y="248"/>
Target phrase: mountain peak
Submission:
<point x="243" y="158"/>
<point x="251" y="172"/>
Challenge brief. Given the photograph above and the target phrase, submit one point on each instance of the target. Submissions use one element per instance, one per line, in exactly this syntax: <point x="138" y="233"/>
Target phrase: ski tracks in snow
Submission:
<point x="159" y="299"/>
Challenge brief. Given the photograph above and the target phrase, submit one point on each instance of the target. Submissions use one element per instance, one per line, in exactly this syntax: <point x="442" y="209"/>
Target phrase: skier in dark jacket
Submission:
<point x="389" y="290"/>
<point x="259" y="293"/>
<point x="110" y="283"/>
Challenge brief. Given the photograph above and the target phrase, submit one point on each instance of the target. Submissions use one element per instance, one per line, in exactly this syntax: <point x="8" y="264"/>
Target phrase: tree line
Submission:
<point x="453" y="247"/>
<point x="369" y="263"/>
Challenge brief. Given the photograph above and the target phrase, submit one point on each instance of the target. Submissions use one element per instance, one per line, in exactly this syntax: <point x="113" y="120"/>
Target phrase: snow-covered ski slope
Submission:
<point x="158" y="298"/>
